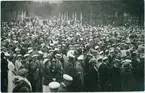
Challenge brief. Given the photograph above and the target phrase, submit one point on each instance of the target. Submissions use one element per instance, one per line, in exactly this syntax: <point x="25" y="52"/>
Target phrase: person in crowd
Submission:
<point x="34" y="73"/>
<point x="65" y="63"/>
<point x="70" y="69"/>
<point x="27" y="60"/>
<point x="56" y="70"/>
<point x="46" y="74"/>
<point x="103" y="73"/>
<point x="80" y="75"/>
<point x="92" y="77"/>
<point x="18" y="63"/>
<point x="128" y="82"/>
<point x="86" y="62"/>
<point x="4" y="73"/>
<point x="114" y="77"/>
<point x="11" y="75"/>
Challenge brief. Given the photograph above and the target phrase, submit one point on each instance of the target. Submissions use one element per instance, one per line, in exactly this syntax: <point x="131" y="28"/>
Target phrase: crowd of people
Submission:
<point x="68" y="56"/>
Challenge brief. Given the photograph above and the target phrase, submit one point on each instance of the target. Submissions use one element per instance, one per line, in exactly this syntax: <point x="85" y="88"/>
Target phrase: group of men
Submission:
<point x="68" y="56"/>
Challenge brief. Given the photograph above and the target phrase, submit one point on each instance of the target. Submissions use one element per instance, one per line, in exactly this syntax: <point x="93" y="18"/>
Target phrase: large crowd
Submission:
<point x="68" y="56"/>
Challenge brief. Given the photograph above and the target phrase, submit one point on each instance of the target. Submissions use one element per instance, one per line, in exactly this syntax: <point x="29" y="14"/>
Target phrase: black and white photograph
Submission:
<point x="72" y="46"/>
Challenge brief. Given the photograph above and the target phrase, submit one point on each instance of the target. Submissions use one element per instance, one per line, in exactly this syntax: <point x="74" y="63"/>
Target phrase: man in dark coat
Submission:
<point x="86" y="62"/>
<point x="79" y="79"/>
<point x="141" y="73"/>
<point x="56" y="70"/>
<point x="46" y="72"/>
<point x="4" y="73"/>
<point x="65" y="63"/>
<point x="128" y="82"/>
<point x="72" y="71"/>
<point x="137" y="71"/>
<point x="103" y="73"/>
<point x="114" y="77"/>
<point x="34" y="74"/>
<point x="92" y="77"/>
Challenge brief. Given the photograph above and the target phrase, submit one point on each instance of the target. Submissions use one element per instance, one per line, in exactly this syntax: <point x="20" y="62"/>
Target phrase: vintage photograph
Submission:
<point x="72" y="46"/>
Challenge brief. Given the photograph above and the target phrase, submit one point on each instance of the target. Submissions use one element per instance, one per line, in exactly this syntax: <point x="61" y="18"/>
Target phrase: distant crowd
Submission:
<point x="68" y="56"/>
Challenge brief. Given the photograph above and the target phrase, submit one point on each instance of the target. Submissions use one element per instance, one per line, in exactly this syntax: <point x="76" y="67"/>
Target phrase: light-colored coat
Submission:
<point x="11" y="75"/>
